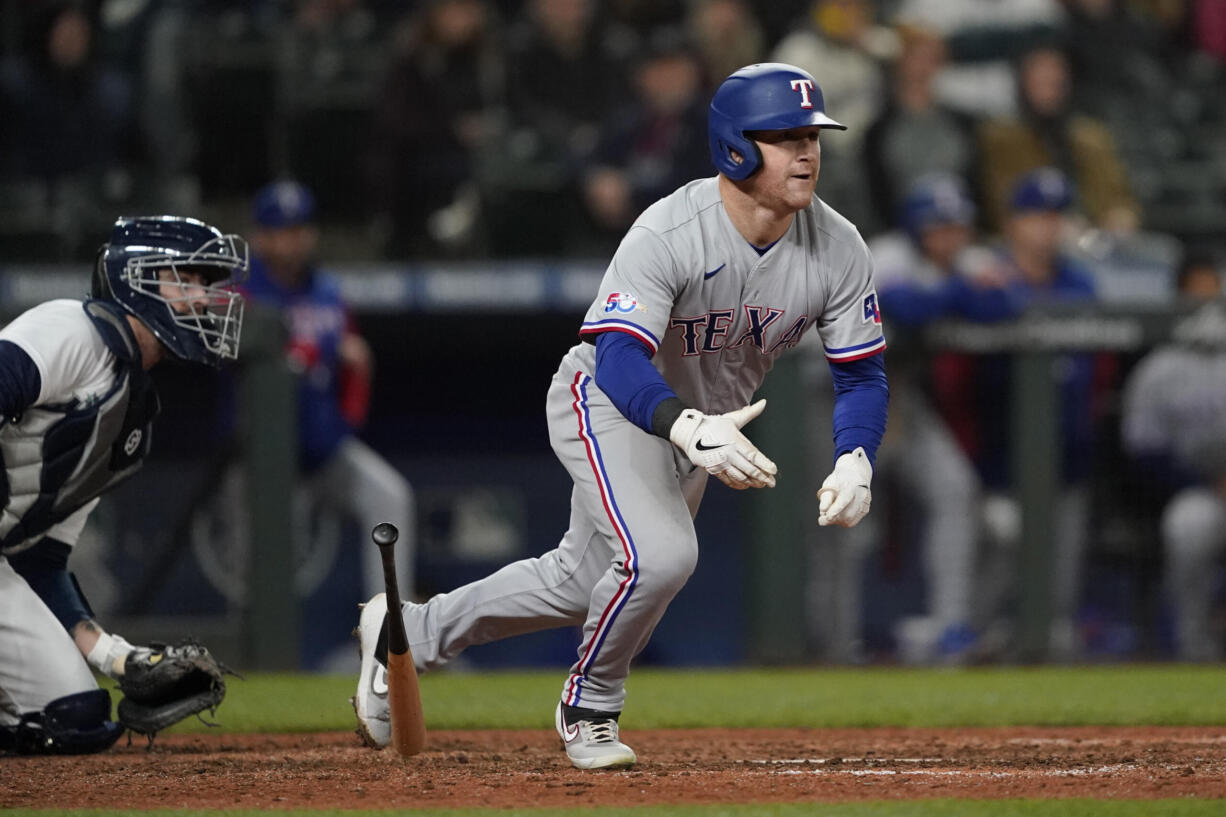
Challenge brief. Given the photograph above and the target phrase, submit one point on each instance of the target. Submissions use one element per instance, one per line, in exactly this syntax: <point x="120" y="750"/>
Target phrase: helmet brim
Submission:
<point x="792" y="120"/>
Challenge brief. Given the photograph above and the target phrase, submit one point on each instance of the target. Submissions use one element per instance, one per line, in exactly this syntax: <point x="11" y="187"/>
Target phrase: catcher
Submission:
<point x="76" y="412"/>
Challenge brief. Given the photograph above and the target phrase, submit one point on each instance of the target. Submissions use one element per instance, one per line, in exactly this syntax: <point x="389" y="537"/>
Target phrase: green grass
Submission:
<point x="1041" y="696"/>
<point x="913" y="808"/>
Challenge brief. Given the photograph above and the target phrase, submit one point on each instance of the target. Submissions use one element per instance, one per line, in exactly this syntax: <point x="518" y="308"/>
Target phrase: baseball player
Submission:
<point x="929" y="270"/>
<point x="1173" y="425"/>
<point x="78" y="406"/>
<point x="1037" y="270"/>
<point x="708" y="287"/>
<point x="334" y="367"/>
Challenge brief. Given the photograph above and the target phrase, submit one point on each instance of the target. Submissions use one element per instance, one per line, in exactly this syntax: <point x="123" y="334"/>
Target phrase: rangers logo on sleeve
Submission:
<point x="871" y="311"/>
<point x="623" y="302"/>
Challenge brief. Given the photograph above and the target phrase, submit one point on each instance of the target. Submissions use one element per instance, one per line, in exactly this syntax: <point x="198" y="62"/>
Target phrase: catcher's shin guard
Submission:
<point x="78" y="724"/>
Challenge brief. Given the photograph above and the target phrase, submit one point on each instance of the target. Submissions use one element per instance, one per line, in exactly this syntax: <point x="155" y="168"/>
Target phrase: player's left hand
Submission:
<point x="162" y="685"/>
<point x="844" y="497"/>
<point x="715" y="442"/>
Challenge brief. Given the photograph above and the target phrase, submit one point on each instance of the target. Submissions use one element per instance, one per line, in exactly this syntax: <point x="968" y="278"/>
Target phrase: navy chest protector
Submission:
<point x="59" y="457"/>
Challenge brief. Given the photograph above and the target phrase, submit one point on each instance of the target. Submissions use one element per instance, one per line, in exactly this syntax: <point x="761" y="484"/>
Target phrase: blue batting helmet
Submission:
<point x="934" y="199"/>
<point x="766" y="96"/>
<point x="141" y="268"/>
<point x="283" y="204"/>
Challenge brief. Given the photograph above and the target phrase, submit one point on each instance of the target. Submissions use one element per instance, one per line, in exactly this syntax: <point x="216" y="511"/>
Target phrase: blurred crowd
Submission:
<point x="496" y="128"/>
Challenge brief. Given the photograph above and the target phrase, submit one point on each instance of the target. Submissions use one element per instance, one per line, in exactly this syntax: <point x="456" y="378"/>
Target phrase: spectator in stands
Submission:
<point x="1199" y="275"/>
<point x="1174" y="427"/>
<point x="1099" y="31"/>
<point x="434" y="115"/>
<point x="728" y="36"/>
<point x="68" y="127"/>
<point x="639" y="18"/>
<point x="565" y="75"/>
<point x="1048" y="132"/>
<point x="983" y="36"/>
<point x="931" y="269"/>
<point x="657" y="143"/>
<point x="335" y="369"/>
<point x="844" y="48"/>
<point x="916" y="134"/>
<point x="1210" y="27"/>
<point x="1037" y="272"/>
<point x="841" y="46"/>
<point x="329" y="62"/>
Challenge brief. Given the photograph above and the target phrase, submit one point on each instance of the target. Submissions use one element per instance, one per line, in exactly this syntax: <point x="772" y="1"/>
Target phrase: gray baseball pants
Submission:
<point x="629" y="549"/>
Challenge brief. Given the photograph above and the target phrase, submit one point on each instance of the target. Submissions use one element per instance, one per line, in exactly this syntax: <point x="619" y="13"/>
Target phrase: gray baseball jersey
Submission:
<point x="1175" y="404"/>
<point x="716" y="314"/>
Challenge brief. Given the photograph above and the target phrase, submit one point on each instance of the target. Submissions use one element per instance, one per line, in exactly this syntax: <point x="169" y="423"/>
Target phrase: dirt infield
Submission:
<point x="526" y="768"/>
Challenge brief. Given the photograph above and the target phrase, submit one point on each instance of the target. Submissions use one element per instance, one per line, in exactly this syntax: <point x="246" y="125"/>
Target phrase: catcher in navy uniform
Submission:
<point x="78" y="405"/>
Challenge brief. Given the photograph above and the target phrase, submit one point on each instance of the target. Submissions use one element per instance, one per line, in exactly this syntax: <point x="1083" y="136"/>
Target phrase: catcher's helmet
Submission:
<point x="139" y="269"/>
<point x="766" y="96"/>
<point x="934" y="199"/>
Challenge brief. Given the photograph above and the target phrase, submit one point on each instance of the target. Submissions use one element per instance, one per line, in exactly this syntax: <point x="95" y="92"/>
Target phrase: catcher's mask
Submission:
<point x="142" y="269"/>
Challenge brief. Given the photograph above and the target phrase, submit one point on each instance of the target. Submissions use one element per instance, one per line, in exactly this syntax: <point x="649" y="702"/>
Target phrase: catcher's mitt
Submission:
<point x="163" y="685"/>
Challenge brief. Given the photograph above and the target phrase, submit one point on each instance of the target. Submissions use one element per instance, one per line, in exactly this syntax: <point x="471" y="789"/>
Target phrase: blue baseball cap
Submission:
<point x="283" y="204"/>
<point x="935" y="199"/>
<point x="1046" y="189"/>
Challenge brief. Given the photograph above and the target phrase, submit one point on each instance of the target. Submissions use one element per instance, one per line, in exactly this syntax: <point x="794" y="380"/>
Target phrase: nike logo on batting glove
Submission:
<point x="731" y="457"/>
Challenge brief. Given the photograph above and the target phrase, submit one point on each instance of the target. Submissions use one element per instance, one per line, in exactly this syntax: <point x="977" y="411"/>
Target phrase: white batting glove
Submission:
<point x="844" y="496"/>
<point x="714" y="442"/>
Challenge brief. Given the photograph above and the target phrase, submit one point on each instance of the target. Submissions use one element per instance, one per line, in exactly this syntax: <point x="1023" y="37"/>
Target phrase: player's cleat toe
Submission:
<point x="370" y="701"/>
<point x="590" y="739"/>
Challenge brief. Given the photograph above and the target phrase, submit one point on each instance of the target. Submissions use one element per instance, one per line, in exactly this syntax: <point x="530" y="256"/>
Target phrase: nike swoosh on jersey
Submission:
<point x="713" y="272"/>
<point x="378" y="684"/>
<point x="702" y="447"/>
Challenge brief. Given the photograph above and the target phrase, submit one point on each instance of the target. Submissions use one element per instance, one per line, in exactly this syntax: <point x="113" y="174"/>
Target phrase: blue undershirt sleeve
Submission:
<point x="624" y="373"/>
<point x="20" y="381"/>
<point x="45" y="568"/>
<point x="861" y="400"/>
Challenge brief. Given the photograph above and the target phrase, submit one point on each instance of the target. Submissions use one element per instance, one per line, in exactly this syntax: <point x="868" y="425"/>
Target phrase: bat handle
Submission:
<point x="384" y="536"/>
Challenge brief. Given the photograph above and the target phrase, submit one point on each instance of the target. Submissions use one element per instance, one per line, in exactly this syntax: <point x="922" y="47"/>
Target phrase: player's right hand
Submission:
<point x="714" y="442"/>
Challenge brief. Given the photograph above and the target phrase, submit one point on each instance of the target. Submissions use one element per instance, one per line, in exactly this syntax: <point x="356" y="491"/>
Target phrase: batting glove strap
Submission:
<point x="845" y="497"/>
<point x="715" y="443"/>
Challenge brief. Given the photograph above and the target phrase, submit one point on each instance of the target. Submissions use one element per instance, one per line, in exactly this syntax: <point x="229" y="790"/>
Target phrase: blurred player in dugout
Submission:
<point x="334" y="367"/>
<point x="1174" y="427"/>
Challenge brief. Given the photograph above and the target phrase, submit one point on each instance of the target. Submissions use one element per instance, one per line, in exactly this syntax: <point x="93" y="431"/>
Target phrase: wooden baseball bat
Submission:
<point x="403" y="694"/>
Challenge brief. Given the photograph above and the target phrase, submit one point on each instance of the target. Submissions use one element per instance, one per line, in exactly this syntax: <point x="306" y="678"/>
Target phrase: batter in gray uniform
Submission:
<point x="708" y="287"/>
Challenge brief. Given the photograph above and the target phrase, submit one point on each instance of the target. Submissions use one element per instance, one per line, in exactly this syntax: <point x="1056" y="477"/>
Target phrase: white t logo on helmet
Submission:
<point x="804" y="86"/>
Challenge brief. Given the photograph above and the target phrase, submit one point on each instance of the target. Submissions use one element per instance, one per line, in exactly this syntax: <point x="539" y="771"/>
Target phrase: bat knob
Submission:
<point x="385" y="534"/>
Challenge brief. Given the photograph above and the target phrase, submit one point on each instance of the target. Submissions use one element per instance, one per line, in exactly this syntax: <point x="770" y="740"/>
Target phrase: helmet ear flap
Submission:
<point x="726" y="136"/>
<point x="100" y="285"/>
<point x="751" y="158"/>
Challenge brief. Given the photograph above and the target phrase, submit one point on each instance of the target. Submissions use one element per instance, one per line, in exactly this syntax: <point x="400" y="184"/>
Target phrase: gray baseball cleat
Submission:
<point x="590" y="738"/>
<point x="370" y="701"/>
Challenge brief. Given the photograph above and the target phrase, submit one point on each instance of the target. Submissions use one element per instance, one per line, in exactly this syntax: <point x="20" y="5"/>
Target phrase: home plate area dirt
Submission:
<point x="527" y="768"/>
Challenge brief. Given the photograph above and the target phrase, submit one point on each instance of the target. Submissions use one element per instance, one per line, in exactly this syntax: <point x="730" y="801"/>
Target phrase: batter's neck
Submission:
<point x="760" y="226"/>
